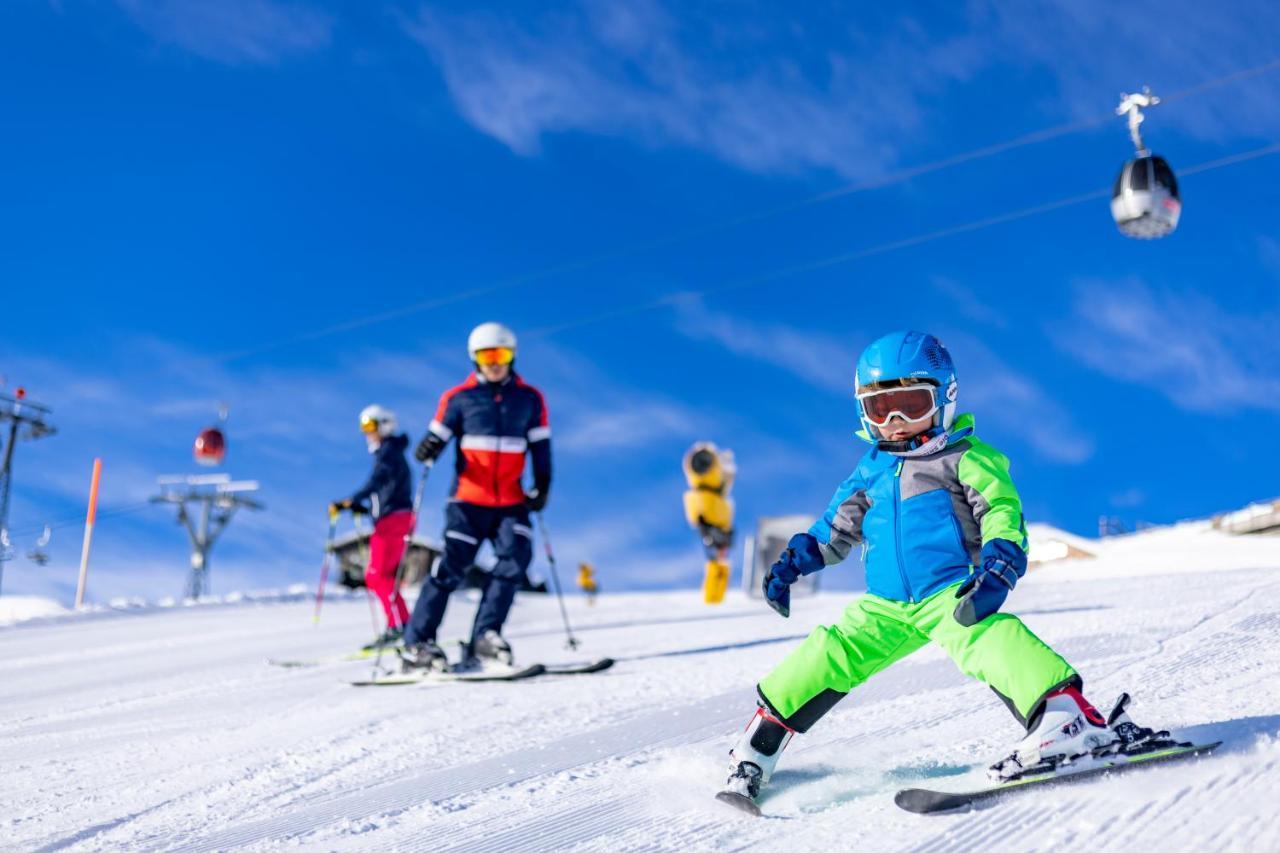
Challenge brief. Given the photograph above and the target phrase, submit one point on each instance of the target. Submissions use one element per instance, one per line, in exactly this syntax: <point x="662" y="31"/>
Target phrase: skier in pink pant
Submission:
<point x="386" y="497"/>
<point x="386" y="547"/>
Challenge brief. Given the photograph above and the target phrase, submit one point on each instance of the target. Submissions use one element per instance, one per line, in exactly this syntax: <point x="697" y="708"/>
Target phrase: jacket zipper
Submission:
<point x="497" y="456"/>
<point x="897" y="530"/>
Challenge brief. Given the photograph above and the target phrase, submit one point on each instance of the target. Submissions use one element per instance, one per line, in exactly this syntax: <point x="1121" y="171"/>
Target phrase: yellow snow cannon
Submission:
<point x="587" y="581"/>
<point x="709" y="470"/>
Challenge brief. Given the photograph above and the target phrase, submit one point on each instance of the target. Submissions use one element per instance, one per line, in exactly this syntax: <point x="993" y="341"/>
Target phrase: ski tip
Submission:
<point x="1202" y="748"/>
<point x="739" y="802"/>
<point x="595" y="666"/>
<point x="385" y="682"/>
<point x="924" y="801"/>
<point x="579" y="668"/>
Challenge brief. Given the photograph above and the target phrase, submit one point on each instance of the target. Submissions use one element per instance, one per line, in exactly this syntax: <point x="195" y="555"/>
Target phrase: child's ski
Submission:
<point x="923" y="801"/>
<point x="739" y="801"/>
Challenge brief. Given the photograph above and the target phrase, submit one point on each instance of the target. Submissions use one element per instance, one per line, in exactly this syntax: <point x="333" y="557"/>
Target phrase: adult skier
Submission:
<point x="497" y="418"/>
<point x="385" y="497"/>
<point x="941" y="528"/>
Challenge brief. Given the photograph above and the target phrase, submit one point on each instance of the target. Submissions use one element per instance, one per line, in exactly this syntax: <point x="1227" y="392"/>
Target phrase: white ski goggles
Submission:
<point x="912" y="403"/>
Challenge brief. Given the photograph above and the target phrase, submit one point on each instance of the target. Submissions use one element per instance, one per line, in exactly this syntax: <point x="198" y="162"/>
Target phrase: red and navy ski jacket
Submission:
<point x="495" y="424"/>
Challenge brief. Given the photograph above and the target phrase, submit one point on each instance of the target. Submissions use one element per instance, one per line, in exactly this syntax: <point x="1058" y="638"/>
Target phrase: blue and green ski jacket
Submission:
<point x="922" y="521"/>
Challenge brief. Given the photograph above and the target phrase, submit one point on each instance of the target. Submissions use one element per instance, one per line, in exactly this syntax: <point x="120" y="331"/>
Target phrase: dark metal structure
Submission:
<point x="205" y="507"/>
<point x="20" y="419"/>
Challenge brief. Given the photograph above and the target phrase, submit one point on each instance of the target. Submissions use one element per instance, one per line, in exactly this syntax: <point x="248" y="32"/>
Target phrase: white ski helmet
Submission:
<point x="490" y="336"/>
<point x="375" y="420"/>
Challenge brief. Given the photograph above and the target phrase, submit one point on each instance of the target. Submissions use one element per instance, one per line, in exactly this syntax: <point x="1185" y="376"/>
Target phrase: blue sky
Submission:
<point x="298" y="208"/>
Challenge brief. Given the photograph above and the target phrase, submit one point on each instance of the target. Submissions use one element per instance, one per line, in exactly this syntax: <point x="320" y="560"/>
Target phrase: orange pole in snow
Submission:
<point x="88" y="531"/>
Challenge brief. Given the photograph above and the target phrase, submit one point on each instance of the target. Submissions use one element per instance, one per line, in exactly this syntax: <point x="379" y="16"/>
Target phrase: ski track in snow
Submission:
<point x="166" y="730"/>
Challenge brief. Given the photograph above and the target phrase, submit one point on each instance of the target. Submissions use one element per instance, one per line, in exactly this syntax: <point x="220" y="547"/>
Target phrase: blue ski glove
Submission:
<point x="802" y="557"/>
<point x="1003" y="563"/>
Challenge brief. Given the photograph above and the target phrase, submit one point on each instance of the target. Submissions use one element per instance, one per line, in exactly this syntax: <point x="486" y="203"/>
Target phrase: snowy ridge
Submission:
<point x="168" y="731"/>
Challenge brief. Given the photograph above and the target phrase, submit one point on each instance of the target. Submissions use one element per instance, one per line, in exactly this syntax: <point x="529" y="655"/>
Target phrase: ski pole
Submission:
<point x="404" y="555"/>
<point x="324" y="565"/>
<point x="570" y="643"/>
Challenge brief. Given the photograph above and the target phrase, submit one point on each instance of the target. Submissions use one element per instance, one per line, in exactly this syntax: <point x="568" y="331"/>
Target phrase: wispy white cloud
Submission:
<point x="1003" y="394"/>
<point x="629" y="426"/>
<point x="594" y="415"/>
<point x="787" y="92"/>
<point x="969" y="302"/>
<point x="1269" y="254"/>
<point x="1000" y="393"/>
<point x="819" y="359"/>
<point x="1129" y="498"/>
<point x="235" y="32"/>
<point x="644" y="71"/>
<point x="1095" y="50"/>
<point x="1183" y="345"/>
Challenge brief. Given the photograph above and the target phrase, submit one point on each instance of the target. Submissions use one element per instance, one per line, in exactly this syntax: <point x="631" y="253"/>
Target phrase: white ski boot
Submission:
<point x="752" y="759"/>
<point x="424" y="655"/>
<point x="490" y="647"/>
<point x="1068" y="728"/>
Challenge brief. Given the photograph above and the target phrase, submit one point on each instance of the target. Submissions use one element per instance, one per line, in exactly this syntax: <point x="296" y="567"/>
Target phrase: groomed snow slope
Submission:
<point x="167" y="730"/>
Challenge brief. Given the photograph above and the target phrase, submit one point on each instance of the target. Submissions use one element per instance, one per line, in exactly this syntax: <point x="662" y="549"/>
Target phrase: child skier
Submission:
<point x="943" y="540"/>
<point x="385" y="496"/>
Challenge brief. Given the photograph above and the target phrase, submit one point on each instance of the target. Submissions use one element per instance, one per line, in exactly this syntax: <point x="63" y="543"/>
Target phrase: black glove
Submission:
<point x="349" y="505"/>
<point x="535" y="499"/>
<point x="429" y="448"/>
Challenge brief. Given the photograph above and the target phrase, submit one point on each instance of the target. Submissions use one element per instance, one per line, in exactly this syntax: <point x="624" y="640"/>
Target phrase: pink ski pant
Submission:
<point x="386" y="546"/>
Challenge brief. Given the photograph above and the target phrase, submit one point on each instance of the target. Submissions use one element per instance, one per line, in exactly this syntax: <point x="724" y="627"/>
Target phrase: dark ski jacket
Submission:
<point x="496" y="425"/>
<point x="389" y="486"/>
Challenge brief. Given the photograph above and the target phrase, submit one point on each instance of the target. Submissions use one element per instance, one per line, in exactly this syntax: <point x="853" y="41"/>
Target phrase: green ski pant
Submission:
<point x="875" y="632"/>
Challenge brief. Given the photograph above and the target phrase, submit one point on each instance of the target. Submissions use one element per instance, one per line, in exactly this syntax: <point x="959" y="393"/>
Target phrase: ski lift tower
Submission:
<point x="26" y="420"/>
<point x="205" y="506"/>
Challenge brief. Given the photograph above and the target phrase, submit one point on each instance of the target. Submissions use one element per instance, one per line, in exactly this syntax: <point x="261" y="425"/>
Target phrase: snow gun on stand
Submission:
<point x="709" y="471"/>
<point x="587" y="582"/>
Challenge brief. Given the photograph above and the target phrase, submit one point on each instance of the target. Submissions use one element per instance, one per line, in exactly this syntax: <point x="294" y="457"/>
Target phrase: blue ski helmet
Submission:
<point x="915" y="357"/>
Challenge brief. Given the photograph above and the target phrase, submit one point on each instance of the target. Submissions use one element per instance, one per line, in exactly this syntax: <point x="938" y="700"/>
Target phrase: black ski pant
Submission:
<point x="467" y="526"/>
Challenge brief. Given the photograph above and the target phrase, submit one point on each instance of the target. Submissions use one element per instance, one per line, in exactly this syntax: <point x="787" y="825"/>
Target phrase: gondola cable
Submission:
<point x="589" y="261"/>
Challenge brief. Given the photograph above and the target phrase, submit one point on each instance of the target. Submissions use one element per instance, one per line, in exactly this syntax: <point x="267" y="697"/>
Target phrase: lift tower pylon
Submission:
<point x="20" y="419"/>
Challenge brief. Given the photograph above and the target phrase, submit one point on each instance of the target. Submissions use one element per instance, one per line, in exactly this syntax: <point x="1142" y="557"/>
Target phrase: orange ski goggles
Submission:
<point x="495" y="355"/>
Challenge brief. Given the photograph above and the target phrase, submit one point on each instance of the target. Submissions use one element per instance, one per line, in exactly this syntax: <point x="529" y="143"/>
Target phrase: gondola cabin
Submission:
<point x="210" y="447"/>
<point x="1144" y="201"/>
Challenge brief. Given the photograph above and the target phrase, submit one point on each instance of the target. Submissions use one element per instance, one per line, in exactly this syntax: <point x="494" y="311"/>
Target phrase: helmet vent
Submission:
<point x="934" y="355"/>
